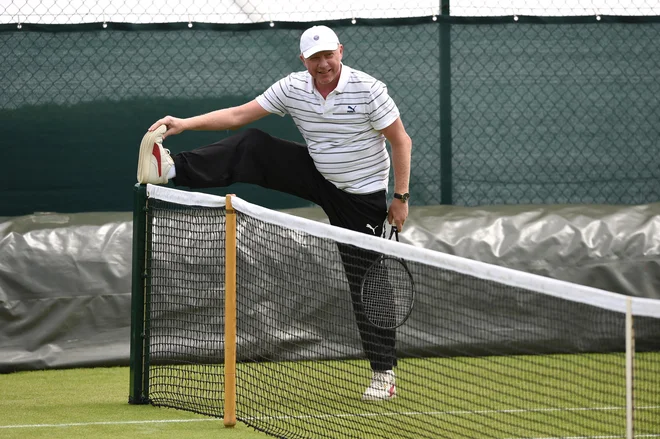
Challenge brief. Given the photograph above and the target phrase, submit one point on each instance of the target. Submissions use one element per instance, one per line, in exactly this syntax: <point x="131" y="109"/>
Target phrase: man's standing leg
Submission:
<point x="365" y="214"/>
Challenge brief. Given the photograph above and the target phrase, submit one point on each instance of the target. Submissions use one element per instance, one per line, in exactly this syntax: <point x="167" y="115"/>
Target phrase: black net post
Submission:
<point x="446" y="186"/>
<point x="138" y="385"/>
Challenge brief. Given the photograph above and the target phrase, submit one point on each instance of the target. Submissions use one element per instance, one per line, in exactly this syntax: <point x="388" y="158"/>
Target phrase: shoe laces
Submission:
<point x="163" y="148"/>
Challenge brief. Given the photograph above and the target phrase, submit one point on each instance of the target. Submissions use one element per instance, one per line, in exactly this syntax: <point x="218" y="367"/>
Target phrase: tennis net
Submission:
<point x="487" y="352"/>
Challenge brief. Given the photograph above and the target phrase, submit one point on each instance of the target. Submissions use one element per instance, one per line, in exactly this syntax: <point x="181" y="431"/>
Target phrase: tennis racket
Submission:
<point x="388" y="291"/>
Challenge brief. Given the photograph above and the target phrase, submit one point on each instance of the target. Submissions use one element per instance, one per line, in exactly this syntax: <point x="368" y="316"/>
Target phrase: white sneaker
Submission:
<point x="382" y="388"/>
<point x="155" y="161"/>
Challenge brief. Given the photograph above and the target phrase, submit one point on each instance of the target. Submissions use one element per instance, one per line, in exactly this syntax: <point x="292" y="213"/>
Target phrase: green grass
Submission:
<point x="545" y="396"/>
<point x="98" y="399"/>
<point x="501" y="397"/>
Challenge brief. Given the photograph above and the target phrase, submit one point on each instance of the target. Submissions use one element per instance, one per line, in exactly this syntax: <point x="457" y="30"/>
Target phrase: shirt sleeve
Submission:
<point x="382" y="109"/>
<point x="274" y="99"/>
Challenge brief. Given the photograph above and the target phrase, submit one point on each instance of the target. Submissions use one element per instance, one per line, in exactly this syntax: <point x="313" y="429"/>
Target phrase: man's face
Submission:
<point x="324" y="66"/>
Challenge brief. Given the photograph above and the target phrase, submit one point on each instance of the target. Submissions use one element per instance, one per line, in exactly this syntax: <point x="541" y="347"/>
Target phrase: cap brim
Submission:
<point x="320" y="48"/>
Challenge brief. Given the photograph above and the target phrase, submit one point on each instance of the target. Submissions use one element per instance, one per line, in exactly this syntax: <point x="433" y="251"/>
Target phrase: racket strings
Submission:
<point x="387" y="293"/>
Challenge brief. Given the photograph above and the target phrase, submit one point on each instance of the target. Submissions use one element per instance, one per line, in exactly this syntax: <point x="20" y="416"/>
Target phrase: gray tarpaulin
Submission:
<point x="65" y="284"/>
<point x="65" y="278"/>
<point x="615" y="248"/>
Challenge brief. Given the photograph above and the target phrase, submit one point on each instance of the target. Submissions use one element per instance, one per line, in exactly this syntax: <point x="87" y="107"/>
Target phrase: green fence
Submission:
<point x="501" y="110"/>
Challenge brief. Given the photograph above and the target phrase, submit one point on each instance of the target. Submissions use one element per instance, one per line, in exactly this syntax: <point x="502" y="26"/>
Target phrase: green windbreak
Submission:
<point x="538" y="110"/>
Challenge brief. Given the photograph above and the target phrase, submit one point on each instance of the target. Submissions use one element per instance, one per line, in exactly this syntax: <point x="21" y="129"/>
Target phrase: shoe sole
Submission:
<point x="369" y="399"/>
<point x="146" y="150"/>
<point x="375" y="398"/>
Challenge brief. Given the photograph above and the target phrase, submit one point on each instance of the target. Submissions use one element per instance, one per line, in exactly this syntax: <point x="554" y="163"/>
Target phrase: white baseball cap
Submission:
<point x="316" y="39"/>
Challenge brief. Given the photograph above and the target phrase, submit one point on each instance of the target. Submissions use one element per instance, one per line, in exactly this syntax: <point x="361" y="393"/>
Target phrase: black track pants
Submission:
<point x="252" y="156"/>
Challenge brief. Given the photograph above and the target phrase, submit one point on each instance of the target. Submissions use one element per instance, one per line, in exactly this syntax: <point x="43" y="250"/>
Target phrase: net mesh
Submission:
<point x="646" y="383"/>
<point x="185" y="308"/>
<point x="477" y="358"/>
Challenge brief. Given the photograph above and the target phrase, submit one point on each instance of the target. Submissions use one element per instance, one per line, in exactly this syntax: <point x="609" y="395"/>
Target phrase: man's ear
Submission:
<point x="302" y="58"/>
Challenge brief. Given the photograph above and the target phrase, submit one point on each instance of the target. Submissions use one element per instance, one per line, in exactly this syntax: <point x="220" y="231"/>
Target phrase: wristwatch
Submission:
<point x="402" y="197"/>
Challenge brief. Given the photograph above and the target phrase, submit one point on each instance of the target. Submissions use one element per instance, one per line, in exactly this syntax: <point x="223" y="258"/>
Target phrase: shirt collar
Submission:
<point x="343" y="78"/>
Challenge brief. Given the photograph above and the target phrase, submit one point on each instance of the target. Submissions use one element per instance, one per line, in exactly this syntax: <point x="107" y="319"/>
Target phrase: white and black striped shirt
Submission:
<point x="341" y="131"/>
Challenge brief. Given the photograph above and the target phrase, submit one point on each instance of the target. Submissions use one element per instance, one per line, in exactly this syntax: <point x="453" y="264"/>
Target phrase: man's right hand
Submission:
<point x="174" y="125"/>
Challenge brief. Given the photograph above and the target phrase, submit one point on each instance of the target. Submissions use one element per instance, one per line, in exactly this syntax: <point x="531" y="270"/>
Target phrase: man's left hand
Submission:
<point x="397" y="214"/>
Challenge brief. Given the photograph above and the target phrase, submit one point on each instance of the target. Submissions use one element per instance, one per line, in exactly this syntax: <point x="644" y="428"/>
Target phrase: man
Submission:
<point x="344" y="115"/>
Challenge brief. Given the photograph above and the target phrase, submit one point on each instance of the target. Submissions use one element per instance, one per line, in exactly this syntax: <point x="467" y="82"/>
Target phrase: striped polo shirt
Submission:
<point x="341" y="131"/>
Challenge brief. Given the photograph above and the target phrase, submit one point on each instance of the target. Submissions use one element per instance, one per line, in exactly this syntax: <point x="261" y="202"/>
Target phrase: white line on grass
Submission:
<point x="444" y="413"/>
<point x="594" y="437"/>
<point x="349" y="415"/>
<point x="83" y="424"/>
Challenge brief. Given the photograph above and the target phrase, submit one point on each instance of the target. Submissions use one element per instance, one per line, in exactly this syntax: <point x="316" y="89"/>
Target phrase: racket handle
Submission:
<point x="395" y="232"/>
